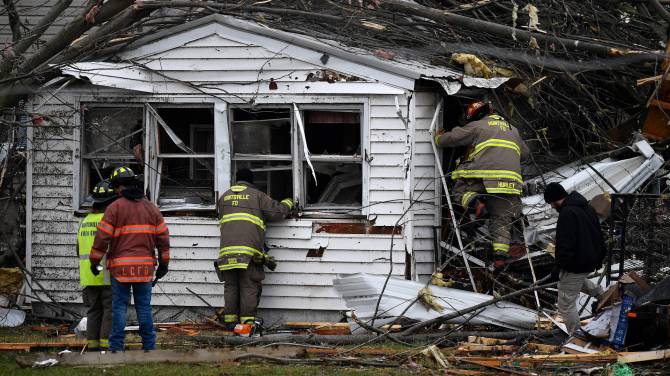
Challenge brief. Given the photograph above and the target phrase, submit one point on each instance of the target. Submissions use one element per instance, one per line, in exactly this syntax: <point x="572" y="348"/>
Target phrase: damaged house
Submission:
<point x="343" y="132"/>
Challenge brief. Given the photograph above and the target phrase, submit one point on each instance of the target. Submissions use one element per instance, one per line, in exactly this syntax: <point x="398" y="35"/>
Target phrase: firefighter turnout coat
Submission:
<point x="497" y="151"/>
<point x="244" y="212"/>
<point x="85" y="236"/>
<point x="133" y="230"/>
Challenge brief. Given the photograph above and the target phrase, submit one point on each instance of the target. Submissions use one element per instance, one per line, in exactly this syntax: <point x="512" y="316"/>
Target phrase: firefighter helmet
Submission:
<point x="103" y="192"/>
<point x="122" y="175"/>
<point x="477" y="109"/>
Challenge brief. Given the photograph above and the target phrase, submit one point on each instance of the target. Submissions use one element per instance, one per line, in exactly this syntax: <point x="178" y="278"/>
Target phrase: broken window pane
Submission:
<point x="333" y="132"/>
<point x="109" y="135"/>
<point x="106" y="130"/>
<point x="273" y="178"/>
<point x="185" y="181"/>
<point x="262" y="131"/>
<point x="339" y="184"/>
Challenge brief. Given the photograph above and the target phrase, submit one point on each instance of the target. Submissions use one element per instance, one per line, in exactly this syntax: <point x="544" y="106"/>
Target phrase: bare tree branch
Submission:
<point x="22" y="45"/>
<point x="14" y="20"/>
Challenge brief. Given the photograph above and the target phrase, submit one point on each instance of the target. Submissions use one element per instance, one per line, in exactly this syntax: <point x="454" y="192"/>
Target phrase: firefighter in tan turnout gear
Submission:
<point x="244" y="211"/>
<point x="488" y="181"/>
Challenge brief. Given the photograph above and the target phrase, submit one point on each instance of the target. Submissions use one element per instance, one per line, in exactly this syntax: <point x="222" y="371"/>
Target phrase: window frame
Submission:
<point x="80" y="172"/>
<point x="297" y="158"/>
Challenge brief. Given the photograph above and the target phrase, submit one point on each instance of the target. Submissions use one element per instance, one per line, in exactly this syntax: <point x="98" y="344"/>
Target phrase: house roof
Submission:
<point x="398" y="72"/>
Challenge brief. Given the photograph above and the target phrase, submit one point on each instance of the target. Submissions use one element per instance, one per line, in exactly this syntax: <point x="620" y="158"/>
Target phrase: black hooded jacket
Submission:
<point x="580" y="247"/>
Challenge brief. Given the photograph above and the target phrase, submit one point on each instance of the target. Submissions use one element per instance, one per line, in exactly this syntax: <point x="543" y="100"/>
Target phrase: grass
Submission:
<point x="8" y="366"/>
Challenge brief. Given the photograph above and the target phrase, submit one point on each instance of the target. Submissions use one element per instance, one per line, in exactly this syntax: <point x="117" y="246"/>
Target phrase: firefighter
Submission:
<point x="244" y="212"/>
<point x="132" y="228"/>
<point x="97" y="293"/>
<point x="488" y="182"/>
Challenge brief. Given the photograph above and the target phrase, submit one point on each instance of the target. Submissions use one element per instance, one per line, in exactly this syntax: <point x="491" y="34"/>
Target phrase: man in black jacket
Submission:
<point x="580" y="249"/>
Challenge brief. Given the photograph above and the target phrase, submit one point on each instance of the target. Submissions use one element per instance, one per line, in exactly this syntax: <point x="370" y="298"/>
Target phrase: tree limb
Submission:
<point x="24" y="43"/>
<point x="72" y="31"/>
<point x="14" y="20"/>
<point x="477" y="25"/>
<point x="660" y="9"/>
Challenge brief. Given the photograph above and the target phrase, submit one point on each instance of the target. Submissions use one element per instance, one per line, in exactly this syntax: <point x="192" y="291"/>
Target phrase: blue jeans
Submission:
<point x="120" y="301"/>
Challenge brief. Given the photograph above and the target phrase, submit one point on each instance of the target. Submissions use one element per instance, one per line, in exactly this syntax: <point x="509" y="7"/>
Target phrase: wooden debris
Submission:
<point x="27" y="346"/>
<point x="322" y="328"/>
<point x="476" y="347"/>
<point x="161" y="356"/>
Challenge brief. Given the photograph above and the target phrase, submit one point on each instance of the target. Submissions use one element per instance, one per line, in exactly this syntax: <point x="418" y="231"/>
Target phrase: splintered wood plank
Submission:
<point x="161" y="356"/>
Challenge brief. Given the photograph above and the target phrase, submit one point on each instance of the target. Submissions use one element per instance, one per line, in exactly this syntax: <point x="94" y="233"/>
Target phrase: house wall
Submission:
<point x="300" y="283"/>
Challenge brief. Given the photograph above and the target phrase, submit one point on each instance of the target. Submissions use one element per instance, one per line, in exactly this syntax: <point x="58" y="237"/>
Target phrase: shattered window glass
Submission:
<point x="185" y="158"/>
<point x="334" y="141"/>
<point x="261" y="142"/>
<point x="273" y="178"/>
<point x="111" y="137"/>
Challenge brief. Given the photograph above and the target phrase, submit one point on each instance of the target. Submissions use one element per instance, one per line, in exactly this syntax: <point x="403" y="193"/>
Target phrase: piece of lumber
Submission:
<point x="160" y="356"/>
<point x="10" y="346"/>
<point x="361" y="351"/>
<point x="476" y="347"/>
<point x="542" y="348"/>
<point x="464" y="372"/>
<point x="487" y="340"/>
<point x="643" y="356"/>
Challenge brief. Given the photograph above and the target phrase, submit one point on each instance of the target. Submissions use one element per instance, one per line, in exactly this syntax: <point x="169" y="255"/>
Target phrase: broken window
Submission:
<point x="173" y="152"/>
<point x="111" y="137"/>
<point x="182" y="174"/>
<point x="269" y="142"/>
<point x="334" y="143"/>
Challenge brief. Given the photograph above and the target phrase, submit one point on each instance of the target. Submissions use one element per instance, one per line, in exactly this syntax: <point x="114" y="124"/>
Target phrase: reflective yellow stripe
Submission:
<point x="437" y="139"/>
<point x="238" y="249"/>
<point x="467" y="197"/>
<point x="242" y="217"/>
<point x="230" y="318"/>
<point x="501" y="247"/>
<point x="509" y="191"/>
<point x="244" y="319"/>
<point x="288" y="202"/>
<point x="495" y="142"/>
<point x="104" y="343"/>
<point x="238" y="188"/>
<point x="487" y="174"/>
<point x="239" y="265"/>
<point x="93" y="343"/>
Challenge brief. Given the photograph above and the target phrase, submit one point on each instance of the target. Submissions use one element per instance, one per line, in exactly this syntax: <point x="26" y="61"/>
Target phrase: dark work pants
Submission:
<point x="503" y="210"/>
<point x="242" y="291"/>
<point x="98" y="301"/>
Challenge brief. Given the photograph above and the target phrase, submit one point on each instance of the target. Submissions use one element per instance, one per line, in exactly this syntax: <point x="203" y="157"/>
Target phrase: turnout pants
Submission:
<point x="569" y="287"/>
<point x="242" y="291"/>
<point x="503" y="210"/>
<point x="98" y="301"/>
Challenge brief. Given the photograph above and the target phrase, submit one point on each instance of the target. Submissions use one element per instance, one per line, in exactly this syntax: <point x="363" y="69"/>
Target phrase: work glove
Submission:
<point x="162" y="270"/>
<point x="94" y="269"/>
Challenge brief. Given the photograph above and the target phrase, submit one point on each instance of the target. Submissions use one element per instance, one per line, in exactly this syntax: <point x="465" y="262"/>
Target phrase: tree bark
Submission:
<point x="72" y="31"/>
<point x="476" y="25"/>
<point x="102" y="34"/>
<point x="24" y="43"/>
<point x="14" y="20"/>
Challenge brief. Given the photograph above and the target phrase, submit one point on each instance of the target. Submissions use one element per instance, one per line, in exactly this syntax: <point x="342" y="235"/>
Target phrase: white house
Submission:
<point x="189" y="105"/>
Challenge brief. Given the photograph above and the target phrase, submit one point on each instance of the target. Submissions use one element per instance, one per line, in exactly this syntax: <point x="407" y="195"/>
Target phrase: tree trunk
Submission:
<point x="72" y="31"/>
<point x="14" y="20"/>
<point x="23" y="44"/>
